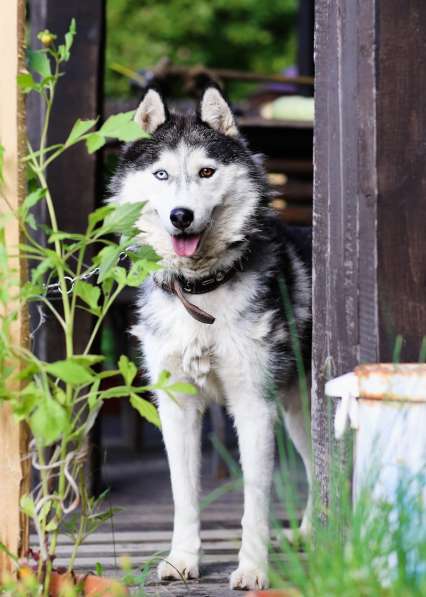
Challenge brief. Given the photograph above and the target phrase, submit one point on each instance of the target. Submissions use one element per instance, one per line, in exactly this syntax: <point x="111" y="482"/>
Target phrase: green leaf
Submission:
<point x="30" y="249"/>
<point x="107" y="285"/>
<point x="97" y="520"/>
<point x="94" y="142"/>
<point x="120" y="276"/>
<point x="99" y="214"/>
<point x="51" y="526"/>
<point x="32" y="199"/>
<point x="130" y="131"/>
<point x="60" y="395"/>
<point x="69" y="35"/>
<point x="122" y="126"/>
<point x="70" y="372"/>
<point x="88" y="360"/>
<point x="107" y="259"/>
<point x="163" y="378"/>
<point x="116" y="392"/>
<point x="29" y="397"/>
<point x="145" y="252"/>
<point x="28" y="372"/>
<point x="44" y="266"/>
<point x="123" y="218"/>
<point x="64" y="49"/>
<point x="49" y="421"/>
<point x="78" y="130"/>
<point x="28" y="506"/>
<point x="93" y="399"/>
<point x="137" y="274"/>
<point x="127" y="369"/>
<point x="9" y="554"/>
<point x="145" y="409"/>
<point x="65" y="236"/>
<point x="39" y="62"/>
<point x="31" y="221"/>
<point x="31" y="292"/>
<point x="99" y="569"/>
<point x="182" y="388"/>
<point x="139" y="271"/>
<point x="88" y="293"/>
<point x="26" y="82"/>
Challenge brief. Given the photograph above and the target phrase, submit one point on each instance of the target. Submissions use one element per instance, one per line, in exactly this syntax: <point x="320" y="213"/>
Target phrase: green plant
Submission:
<point x="60" y="400"/>
<point x="236" y="34"/>
<point x="382" y="550"/>
<point x="369" y="549"/>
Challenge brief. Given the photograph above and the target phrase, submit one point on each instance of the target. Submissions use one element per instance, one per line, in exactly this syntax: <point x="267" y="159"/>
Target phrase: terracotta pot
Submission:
<point x="99" y="586"/>
<point x="93" y="586"/>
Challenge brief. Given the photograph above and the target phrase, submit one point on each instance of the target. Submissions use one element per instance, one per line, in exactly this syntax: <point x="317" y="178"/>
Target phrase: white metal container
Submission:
<point x="386" y="404"/>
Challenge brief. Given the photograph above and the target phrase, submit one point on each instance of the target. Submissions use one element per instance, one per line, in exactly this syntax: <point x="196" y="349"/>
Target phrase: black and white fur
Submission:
<point x="248" y="350"/>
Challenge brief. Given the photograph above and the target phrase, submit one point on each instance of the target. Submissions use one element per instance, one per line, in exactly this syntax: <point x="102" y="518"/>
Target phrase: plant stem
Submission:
<point x="80" y="533"/>
<point x="39" y="168"/>
<point x="102" y="316"/>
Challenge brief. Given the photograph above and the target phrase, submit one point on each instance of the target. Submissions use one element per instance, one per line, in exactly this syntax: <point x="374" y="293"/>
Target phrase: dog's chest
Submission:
<point x="200" y="350"/>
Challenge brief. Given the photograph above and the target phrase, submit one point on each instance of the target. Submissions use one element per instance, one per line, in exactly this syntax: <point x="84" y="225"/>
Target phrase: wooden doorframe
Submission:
<point x="369" y="246"/>
<point x="14" y="471"/>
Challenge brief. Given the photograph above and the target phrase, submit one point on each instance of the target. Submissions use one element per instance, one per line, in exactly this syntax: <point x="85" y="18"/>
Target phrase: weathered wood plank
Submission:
<point x="344" y="257"/>
<point x="369" y="197"/>
<point x="13" y="475"/>
<point x="401" y="176"/>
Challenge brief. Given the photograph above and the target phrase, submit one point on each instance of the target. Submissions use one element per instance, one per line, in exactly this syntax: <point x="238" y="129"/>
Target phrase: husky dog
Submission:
<point x="214" y="315"/>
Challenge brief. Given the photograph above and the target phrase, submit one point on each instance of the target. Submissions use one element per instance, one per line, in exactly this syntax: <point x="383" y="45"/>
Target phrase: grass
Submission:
<point x="374" y="548"/>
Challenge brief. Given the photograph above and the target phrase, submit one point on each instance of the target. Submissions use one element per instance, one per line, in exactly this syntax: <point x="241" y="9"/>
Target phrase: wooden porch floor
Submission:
<point x="142" y="530"/>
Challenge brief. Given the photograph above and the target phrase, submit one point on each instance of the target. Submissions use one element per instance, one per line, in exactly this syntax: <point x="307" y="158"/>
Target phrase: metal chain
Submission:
<point x="70" y="282"/>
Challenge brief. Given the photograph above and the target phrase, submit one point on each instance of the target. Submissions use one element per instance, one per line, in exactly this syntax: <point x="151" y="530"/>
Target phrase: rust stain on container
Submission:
<point x="392" y="382"/>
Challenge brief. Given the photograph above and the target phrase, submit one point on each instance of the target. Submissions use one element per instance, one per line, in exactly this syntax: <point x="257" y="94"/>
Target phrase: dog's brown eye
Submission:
<point x="206" y="172"/>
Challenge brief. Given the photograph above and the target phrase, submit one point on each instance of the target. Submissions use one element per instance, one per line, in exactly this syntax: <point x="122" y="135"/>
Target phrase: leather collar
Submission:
<point x="179" y="285"/>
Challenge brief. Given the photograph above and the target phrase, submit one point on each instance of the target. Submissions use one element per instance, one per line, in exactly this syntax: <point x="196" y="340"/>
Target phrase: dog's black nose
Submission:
<point x="181" y="217"/>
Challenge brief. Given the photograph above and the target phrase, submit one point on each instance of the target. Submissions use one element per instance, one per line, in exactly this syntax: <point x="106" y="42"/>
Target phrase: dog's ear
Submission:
<point x="215" y="112"/>
<point x="152" y="111"/>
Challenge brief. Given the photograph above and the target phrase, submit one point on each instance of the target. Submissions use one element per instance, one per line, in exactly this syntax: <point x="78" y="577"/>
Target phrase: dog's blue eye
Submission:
<point x="161" y="175"/>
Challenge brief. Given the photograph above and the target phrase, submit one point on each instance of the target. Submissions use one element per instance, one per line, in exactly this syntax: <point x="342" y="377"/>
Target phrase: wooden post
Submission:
<point x="401" y="176"/>
<point x="73" y="178"/>
<point x="14" y="474"/>
<point x="369" y="194"/>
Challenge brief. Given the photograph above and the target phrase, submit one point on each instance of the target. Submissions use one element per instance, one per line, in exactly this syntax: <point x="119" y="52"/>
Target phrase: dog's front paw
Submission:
<point x="248" y="576"/>
<point x="178" y="566"/>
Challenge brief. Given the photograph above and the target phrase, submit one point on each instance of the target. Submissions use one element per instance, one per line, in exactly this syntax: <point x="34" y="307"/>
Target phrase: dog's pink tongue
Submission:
<point x="185" y="246"/>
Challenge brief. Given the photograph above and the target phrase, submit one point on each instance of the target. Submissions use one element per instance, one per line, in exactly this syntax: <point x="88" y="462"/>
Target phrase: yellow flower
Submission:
<point x="46" y="38"/>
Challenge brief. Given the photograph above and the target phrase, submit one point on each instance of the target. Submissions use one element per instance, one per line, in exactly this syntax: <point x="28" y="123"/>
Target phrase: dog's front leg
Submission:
<point x="181" y="426"/>
<point x="254" y="419"/>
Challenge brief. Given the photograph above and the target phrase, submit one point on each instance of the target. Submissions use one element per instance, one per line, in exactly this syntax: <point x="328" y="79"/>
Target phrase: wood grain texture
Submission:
<point x="369" y="280"/>
<point x="344" y="309"/>
<point x="13" y="476"/>
<point x="401" y="159"/>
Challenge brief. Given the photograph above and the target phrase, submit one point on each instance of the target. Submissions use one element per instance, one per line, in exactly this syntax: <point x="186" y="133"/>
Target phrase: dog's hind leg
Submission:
<point x="254" y="420"/>
<point x="181" y="426"/>
<point x="297" y="422"/>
